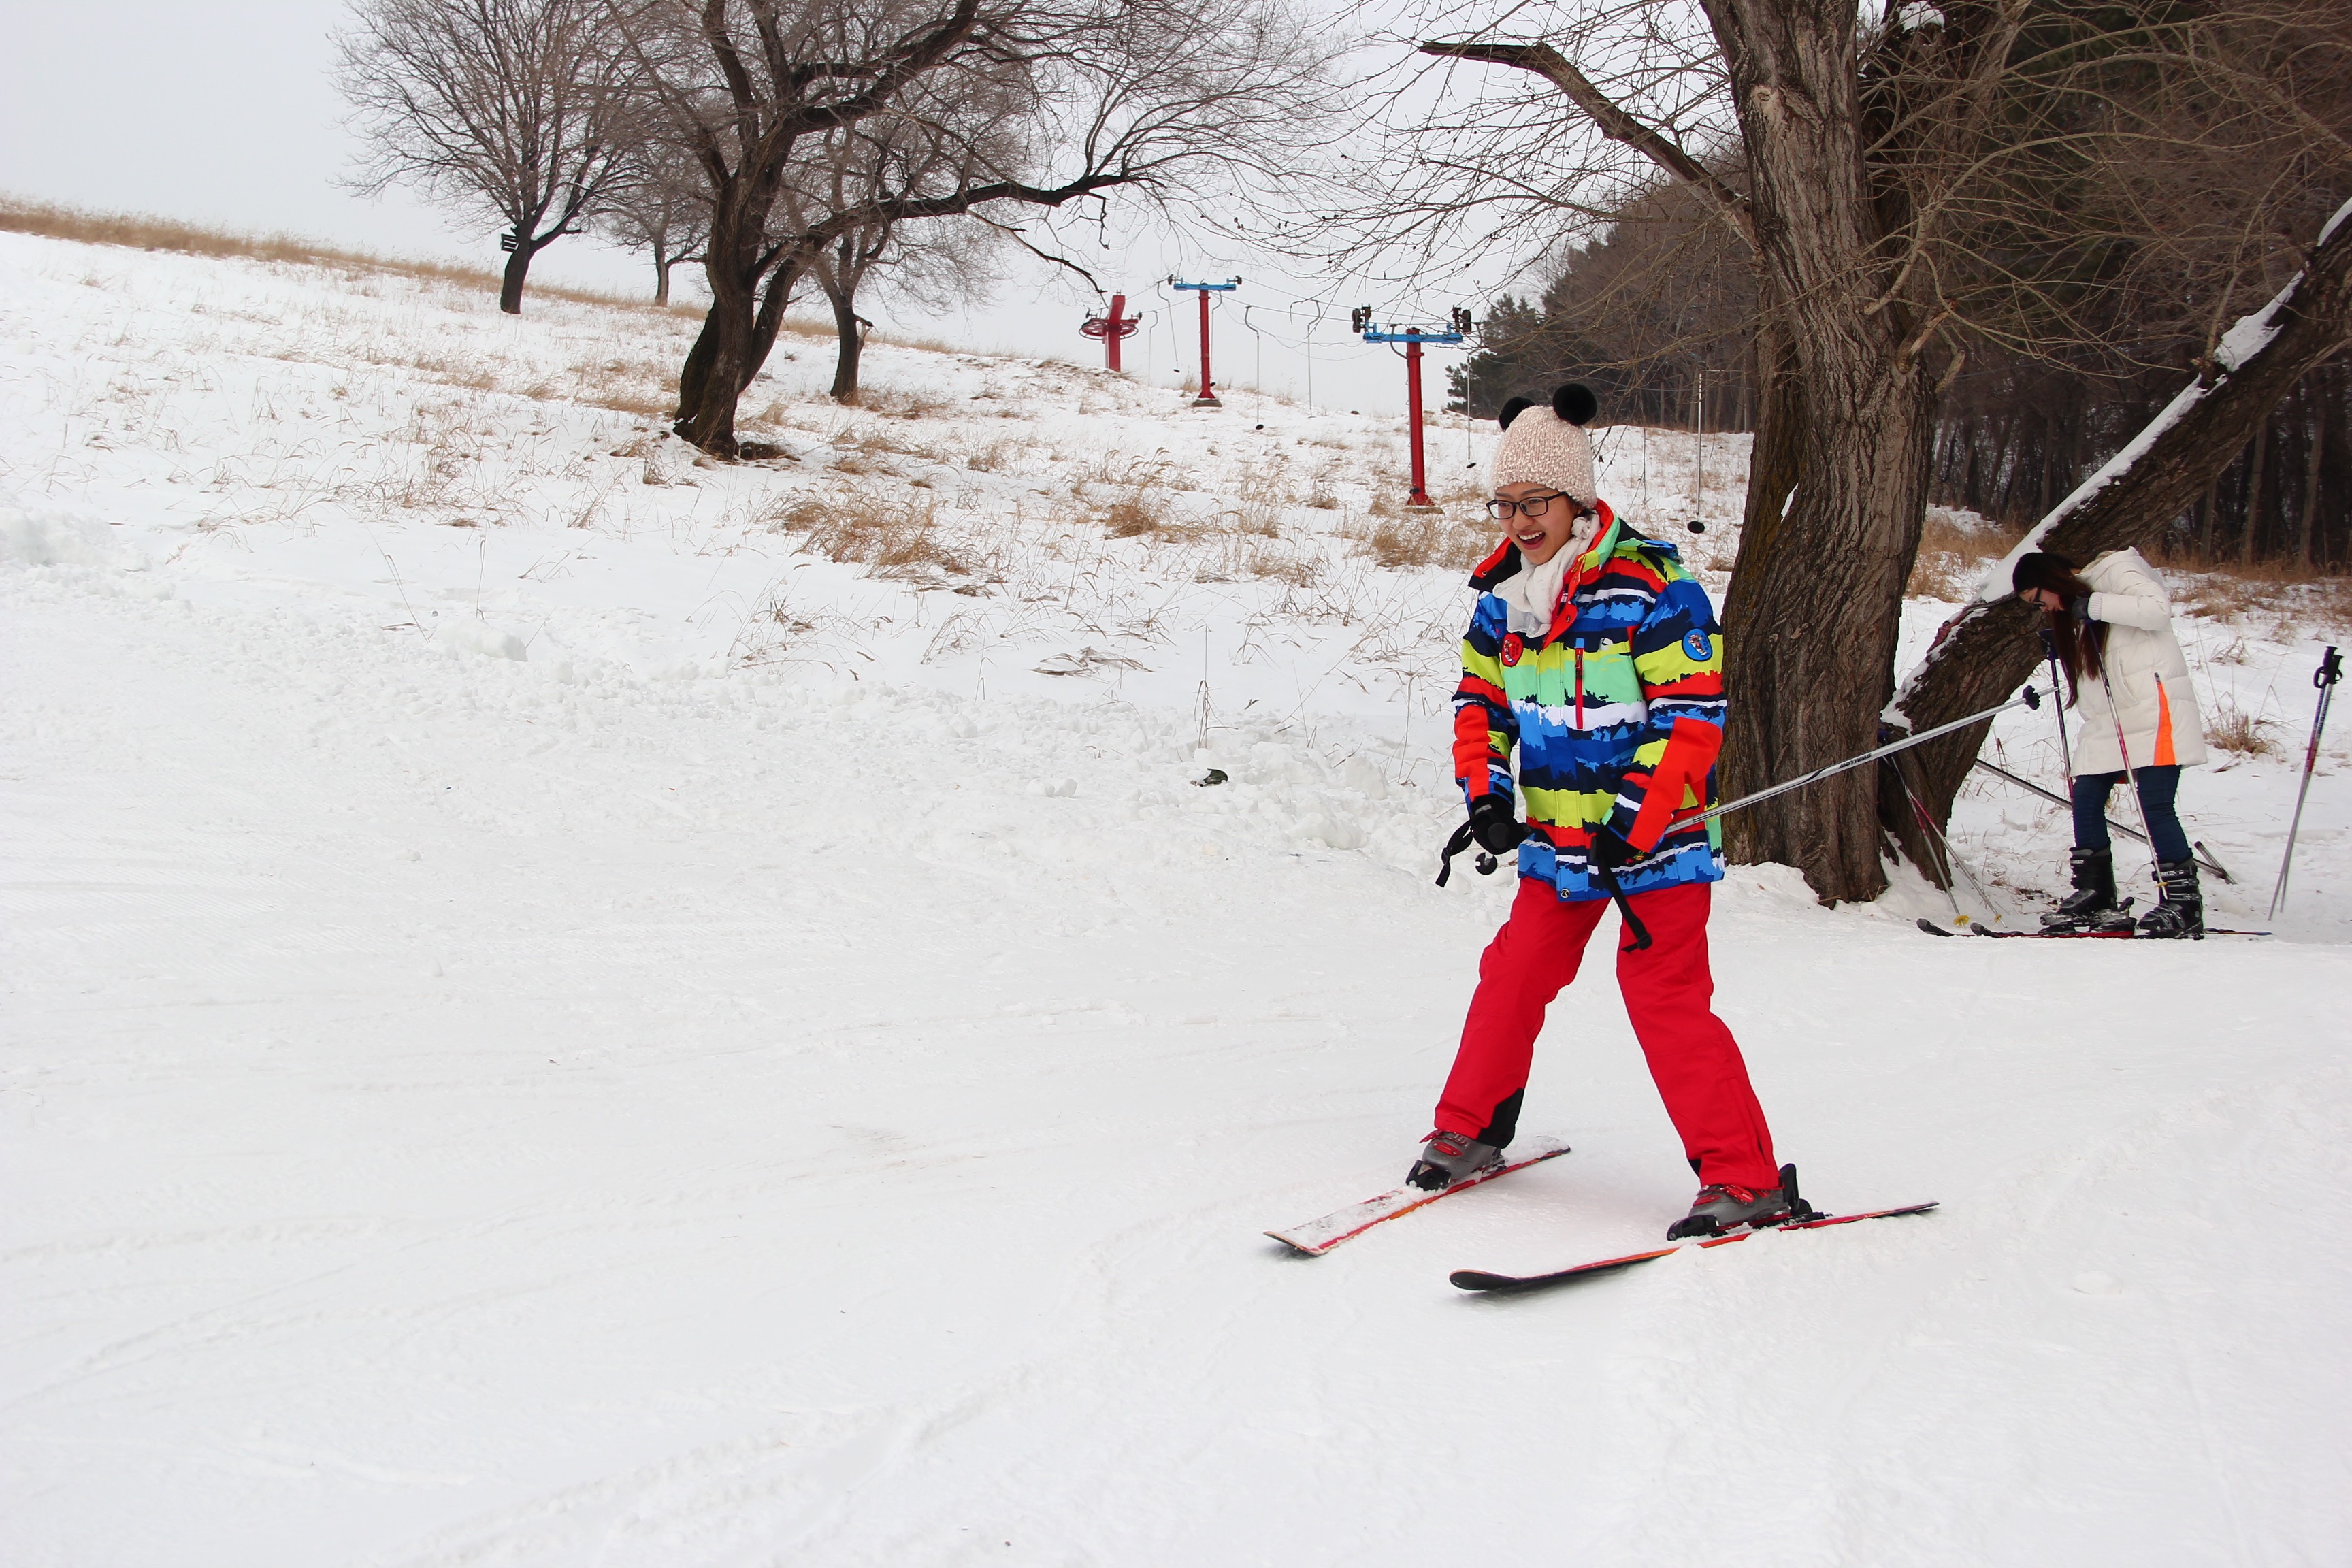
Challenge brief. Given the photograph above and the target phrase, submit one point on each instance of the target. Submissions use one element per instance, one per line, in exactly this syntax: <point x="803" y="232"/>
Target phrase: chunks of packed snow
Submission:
<point x="42" y="535"/>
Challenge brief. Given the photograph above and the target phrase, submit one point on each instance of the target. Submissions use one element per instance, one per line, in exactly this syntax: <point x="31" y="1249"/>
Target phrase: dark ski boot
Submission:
<point x="2092" y="906"/>
<point x="1447" y="1157"/>
<point x="2181" y="904"/>
<point x="1721" y="1208"/>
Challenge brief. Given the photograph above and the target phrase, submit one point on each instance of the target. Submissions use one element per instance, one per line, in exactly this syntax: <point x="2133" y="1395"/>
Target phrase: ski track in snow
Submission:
<point x="626" y="1105"/>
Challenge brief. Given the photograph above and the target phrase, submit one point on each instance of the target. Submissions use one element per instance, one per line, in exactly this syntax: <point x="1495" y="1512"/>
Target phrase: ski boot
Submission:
<point x="2092" y="906"/>
<point x="2180" y="905"/>
<point x="1447" y="1157"/>
<point x="1721" y="1208"/>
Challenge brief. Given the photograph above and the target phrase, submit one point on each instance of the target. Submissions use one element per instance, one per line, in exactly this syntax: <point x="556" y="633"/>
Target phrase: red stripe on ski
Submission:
<point x="1316" y="1236"/>
<point x="1479" y="1280"/>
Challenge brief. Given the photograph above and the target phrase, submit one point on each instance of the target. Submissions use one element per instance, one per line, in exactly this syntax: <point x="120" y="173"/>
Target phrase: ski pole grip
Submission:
<point x="2330" y="671"/>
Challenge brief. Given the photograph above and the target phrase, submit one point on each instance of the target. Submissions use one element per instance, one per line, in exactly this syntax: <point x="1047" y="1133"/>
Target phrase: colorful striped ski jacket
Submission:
<point x="1616" y="710"/>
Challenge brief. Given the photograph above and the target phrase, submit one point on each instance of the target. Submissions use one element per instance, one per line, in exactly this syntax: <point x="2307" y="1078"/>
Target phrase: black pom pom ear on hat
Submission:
<point x="1512" y="410"/>
<point x="1575" y="403"/>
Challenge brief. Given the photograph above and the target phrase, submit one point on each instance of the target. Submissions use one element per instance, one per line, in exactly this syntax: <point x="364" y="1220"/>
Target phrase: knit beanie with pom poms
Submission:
<point x="1548" y="446"/>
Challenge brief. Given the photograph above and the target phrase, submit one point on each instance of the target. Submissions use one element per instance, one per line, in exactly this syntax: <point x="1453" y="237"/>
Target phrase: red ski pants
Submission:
<point x="1668" y="990"/>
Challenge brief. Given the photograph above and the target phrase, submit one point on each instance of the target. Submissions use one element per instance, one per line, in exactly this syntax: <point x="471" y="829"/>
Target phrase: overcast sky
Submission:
<point x="222" y="113"/>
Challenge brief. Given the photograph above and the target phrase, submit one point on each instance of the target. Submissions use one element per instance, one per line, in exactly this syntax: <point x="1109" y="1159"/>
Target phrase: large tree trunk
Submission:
<point x="518" y="268"/>
<point x="849" y="327"/>
<point x="716" y="372"/>
<point x="720" y="364"/>
<point x="1774" y="457"/>
<point x="1817" y="594"/>
<point x="1982" y="654"/>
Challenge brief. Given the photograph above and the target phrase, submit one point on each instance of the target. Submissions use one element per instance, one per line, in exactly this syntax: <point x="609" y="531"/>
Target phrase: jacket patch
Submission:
<point x="1699" y="646"/>
<point x="1513" y="648"/>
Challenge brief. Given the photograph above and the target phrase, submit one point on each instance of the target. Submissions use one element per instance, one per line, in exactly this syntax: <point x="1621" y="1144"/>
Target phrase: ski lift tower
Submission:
<point x="1208" y="397"/>
<point x="1113" y="330"/>
<point x="1413" y="338"/>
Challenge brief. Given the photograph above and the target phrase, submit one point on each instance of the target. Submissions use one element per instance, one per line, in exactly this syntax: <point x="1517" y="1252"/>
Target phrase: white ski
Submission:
<point x="1318" y="1236"/>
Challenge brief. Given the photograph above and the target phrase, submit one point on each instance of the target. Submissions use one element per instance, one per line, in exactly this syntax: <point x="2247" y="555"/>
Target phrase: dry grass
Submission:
<point x="896" y="537"/>
<point x="2229" y="728"/>
<point x="140" y="231"/>
<point x="1136" y="513"/>
<point x="638" y="404"/>
<point x="901" y="405"/>
<point x="993" y="456"/>
<point x="1269" y="560"/>
<point x="1259" y="502"/>
<point x="1401" y="542"/>
<point x="1955" y="550"/>
<point x="2298" y="600"/>
<point x="935" y="345"/>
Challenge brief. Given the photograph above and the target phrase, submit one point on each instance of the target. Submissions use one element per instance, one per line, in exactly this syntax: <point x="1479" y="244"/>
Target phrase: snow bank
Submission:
<point x="37" y="535"/>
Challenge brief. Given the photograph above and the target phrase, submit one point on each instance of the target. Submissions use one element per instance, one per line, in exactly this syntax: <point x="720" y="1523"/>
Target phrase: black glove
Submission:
<point x="2078" y="610"/>
<point x="1495" y="825"/>
<point x="1609" y="851"/>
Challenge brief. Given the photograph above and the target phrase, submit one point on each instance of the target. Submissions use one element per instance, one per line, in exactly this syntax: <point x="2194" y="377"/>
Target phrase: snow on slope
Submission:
<point x="731" y="1087"/>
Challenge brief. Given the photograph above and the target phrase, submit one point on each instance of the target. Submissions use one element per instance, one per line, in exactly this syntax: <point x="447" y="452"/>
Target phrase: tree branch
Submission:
<point x="1611" y="121"/>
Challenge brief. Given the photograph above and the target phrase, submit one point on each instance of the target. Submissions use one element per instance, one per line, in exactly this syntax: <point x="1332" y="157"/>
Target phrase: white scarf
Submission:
<point x="1532" y="594"/>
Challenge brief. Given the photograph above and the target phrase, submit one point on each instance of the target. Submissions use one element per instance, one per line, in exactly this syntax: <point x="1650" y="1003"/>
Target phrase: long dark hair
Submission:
<point x="2081" y="643"/>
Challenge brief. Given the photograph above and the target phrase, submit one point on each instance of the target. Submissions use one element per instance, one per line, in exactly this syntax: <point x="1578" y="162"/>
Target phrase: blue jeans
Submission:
<point x="2157" y="788"/>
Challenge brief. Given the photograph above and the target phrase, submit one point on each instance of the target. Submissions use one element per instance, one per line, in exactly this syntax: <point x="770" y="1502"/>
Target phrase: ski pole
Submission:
<point x="1935" y="841"/>
<point x="2204" y="856"/>
<point x="2131" y="776"/>
<point x="2330" y="672"/>
<point x="2066" y="752"/>
<point x="2030" y="698"/>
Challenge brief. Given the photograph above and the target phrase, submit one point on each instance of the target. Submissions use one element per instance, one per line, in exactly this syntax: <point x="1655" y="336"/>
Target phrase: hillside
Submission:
<point x="569" y="1004"/>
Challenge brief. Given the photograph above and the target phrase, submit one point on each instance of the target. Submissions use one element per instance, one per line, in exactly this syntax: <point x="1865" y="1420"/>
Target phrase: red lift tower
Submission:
<point x="1208" y="397"/>
<point x="1113" y="329"/>
<point x="1413" y="338"/>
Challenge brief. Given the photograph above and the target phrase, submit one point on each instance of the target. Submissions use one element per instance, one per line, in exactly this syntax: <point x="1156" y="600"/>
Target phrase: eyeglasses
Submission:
<point x="1534" y="506"/>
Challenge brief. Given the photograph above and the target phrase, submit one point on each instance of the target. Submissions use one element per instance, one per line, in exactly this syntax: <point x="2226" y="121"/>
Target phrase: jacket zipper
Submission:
<point x="1579" y="686"/>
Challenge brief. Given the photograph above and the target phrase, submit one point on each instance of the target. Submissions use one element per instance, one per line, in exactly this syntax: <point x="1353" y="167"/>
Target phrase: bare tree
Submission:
<point x="517" y="107"/>
<point x="929" y="262"/>
<point x="660" y="208"/>
<point x="750" y="84"/>
<point x="1914" y="179"/>
<point x="932" y="264"/>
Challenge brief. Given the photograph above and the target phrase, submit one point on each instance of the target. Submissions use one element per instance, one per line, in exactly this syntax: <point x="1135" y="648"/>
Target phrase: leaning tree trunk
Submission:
<point x="1983" y="654"/>
<point x="1817" y="593"/>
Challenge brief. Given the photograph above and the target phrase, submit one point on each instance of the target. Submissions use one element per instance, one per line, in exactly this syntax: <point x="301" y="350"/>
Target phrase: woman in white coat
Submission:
<point x="2139" y="718"/>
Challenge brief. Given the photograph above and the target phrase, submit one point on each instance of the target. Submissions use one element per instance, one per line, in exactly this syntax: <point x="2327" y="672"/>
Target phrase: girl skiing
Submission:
<point x="1595" y="655"/>
<point x="2112" y="626"/>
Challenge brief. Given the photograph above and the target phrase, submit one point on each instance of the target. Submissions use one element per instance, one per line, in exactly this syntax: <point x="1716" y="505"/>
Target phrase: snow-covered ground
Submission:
<point x="550" y="1021"/>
